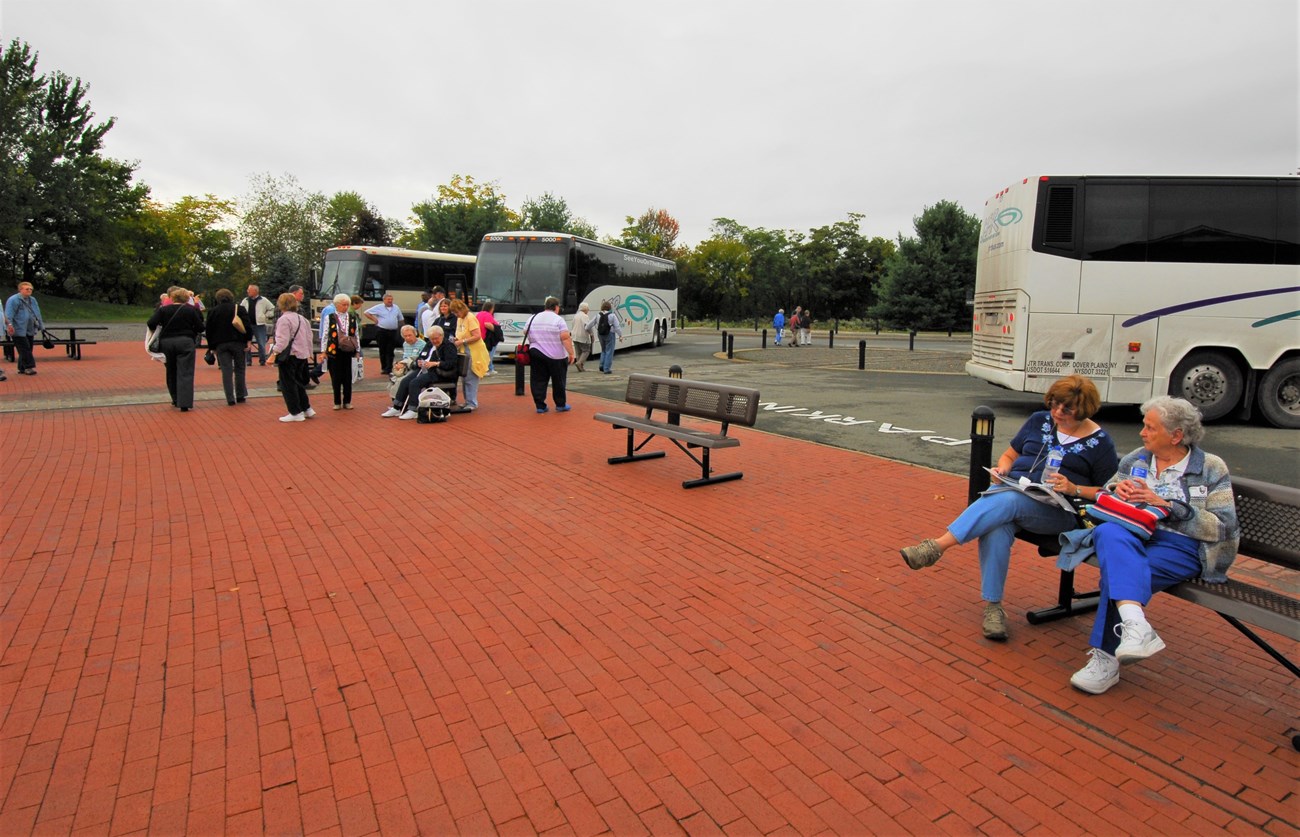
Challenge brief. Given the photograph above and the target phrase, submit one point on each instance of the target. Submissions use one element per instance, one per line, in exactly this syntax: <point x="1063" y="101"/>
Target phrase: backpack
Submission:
<point x="603" y="328"/>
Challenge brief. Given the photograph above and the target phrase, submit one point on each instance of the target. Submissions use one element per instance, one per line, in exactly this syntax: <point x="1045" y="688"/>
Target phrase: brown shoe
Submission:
<point x="995" y="622"/>
<point x="922" y="555"/>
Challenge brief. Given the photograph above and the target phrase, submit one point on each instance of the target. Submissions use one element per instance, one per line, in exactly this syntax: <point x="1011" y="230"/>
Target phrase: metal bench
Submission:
<point x="677" y="397"/>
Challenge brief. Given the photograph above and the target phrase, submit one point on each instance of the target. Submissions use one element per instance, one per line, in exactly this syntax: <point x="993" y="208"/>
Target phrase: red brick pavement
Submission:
<point x="524" y="639"/>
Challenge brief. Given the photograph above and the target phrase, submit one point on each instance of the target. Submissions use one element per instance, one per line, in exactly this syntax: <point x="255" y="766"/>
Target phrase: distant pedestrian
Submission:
<point x="550" y="353"/>
<point x="182" y="326"/>
<point x="230" y="343"/>
<point x="262" y="311"/>
<point x="581" y="337"/>
<point x="805" y="327"/>
<point x="778" y="324"/>
<point x="23" y="314"/>
<point x="608" y="328"/>
<point x="794" y="327"/>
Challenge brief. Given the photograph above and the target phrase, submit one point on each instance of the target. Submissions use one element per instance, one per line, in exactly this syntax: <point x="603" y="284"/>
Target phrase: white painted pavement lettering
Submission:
<point x="851" y="421"/>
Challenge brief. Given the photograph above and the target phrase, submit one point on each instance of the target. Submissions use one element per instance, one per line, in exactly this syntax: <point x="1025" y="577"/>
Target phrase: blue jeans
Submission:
<point x="471" y="389"/>
<point x="259" y="335"/>
<point x="607" y="353"/>
<point x="1134" y="570"/>
<point x="994" y="519"/>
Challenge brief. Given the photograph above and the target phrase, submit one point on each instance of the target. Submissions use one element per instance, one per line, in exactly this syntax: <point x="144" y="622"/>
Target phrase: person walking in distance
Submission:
<point x="794" y="326"/>
<point x="581" y="336"/>
<point x="778" y="324"/>
<point x="609" y="329"/>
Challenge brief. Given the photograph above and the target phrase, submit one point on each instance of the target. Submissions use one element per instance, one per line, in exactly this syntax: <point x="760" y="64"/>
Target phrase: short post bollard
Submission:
<point x="731" y="346"/>
<point x="862" y="354"/>
<point x="724" y="341"/>
<point x="830" y="340"/>
<point x="911" y="341"/>
<point x="981" y="451"/>
<point x="764" y="338"/>
<point x="674" y="371"/>
<point x="519" y="377"/>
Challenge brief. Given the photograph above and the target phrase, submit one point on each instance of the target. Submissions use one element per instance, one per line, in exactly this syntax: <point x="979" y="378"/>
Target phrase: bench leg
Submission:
<point x="1068" y="603"/>
<point x="1268" y="649"/>
<point x="632" y="452"/>
<point x="705" y="479"/>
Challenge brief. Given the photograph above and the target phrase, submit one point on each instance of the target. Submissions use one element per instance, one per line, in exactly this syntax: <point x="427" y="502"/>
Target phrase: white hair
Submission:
<point x="341" y="298"/>
<point x="584" y="307"/>
<point x="432" y="329"/>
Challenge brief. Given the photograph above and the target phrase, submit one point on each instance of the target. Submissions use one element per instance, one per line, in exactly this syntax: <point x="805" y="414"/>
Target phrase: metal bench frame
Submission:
<point x="677" y="397"/>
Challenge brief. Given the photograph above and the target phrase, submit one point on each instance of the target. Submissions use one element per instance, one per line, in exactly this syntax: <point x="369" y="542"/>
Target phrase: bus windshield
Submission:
<point x="342" y="275"/>
<point x="542" y="273"/>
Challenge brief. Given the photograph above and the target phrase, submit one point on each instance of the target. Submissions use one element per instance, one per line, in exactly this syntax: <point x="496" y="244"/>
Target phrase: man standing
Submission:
<point x="805" y="327"/>
<point x="24" y="315"/>
<point x="262" y="312"/>
<point x="387" y="317"/>
<point x="778" y="323"/>
<point x="550" y="353"/>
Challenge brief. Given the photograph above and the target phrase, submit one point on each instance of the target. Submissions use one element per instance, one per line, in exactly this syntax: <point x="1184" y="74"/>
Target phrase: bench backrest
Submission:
<point x="1270" y="521"/>
<point x="718" y="402"/>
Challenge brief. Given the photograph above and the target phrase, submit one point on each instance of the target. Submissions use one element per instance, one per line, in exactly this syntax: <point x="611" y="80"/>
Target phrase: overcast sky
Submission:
<point x="784" y="115"/>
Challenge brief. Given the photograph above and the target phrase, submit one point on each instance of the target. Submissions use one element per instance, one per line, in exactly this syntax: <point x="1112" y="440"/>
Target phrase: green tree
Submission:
<point x="351" y="220"/>
<point x="193" y="245"/>
<point x="457" y="219"/>
<point x="716" y="274"/>
<point x="839" y="268"/>
<point x="927" y="282"/>
<point x="552" y="214"/>
<point x="654" y="232"/>
<point x="67" y="213"/>
<point x="278" y="215"/>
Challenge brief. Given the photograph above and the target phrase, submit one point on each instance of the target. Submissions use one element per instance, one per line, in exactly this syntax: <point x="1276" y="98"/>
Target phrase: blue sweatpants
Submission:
<point x="1135" y="570"/>
<point x="994" y="519"/>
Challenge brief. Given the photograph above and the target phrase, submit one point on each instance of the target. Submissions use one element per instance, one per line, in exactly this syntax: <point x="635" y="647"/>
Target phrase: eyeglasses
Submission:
<point x="1066" y="409"/>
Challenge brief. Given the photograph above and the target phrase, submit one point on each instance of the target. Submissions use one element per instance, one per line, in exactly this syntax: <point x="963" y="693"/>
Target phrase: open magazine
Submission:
<point x="1035" y="490"/>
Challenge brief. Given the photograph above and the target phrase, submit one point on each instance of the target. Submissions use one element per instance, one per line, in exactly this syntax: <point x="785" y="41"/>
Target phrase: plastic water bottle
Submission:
<point x="1138" y="470"/>
<point x="1053" y="466"/>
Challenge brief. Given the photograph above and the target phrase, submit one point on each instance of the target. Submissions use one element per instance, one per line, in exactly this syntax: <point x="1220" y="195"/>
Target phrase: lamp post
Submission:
<point x="981" y="451"/>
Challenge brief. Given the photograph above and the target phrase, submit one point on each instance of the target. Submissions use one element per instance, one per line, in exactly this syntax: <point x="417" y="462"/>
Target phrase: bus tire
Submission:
<point x="659" y="336"/>
<point x="1211" y="381"/>
<point x="1279" y="394"/>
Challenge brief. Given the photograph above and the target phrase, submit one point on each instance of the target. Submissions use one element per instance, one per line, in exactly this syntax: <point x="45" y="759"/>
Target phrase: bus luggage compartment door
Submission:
<point x="1068" y="344"/>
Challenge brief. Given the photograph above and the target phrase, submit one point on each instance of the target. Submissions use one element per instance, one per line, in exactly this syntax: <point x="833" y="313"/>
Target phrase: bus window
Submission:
<point x="1213" y="222"/>
<point x="1115" y="222"/>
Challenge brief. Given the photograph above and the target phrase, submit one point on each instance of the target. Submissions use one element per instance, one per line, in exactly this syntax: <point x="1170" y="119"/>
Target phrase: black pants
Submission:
<point x="293" y="386"/>
<point x="543" y="370"/>
<point x="230" y="357"/>
<point x="387" y="339"/>
<point x="340" y="367"/>
<point x="179" y="355"/>
<point x="410" y="387"/>
<point x="23" y="344"/>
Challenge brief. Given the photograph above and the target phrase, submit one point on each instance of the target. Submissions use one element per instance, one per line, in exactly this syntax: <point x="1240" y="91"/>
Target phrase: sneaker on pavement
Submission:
<point x="924" y="554"/>
<point x="1137" y="641"/>
<point x="293" y="417"/>
<point x="995" y="622"/>
<point x="310" y="412"/>
<point x="409" y="415"/>
<point x="1101" y="672"/>
<point x="391" y="412"/>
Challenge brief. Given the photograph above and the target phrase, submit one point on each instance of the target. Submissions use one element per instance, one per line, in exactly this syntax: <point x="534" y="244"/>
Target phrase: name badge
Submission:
<point x="1200" y="491"/>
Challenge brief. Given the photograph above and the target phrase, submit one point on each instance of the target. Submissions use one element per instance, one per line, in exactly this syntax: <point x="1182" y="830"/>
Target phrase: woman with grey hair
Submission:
<point x="339" y="342"/>
<point x="581" y="339"/>
<point x="1197" y="537"/>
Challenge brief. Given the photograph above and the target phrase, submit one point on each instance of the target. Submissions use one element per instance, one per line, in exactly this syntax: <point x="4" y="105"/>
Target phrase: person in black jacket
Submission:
<point x="182" y="326"/>
<point x="438" y="362"/>
<point x="229" y="343"/>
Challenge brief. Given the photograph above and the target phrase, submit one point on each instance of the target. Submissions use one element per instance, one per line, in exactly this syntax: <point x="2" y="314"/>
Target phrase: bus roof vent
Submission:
<point x="1060" y="216"/>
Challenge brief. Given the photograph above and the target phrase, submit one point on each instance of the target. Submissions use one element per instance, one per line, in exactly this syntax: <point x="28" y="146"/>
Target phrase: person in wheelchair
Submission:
<point x="436" y="363"/>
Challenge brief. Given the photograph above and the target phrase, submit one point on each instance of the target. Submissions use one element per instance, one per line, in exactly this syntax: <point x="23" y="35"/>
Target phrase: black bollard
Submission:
<point x="830" y="340"/>
<point x="764" y="338"/>
<point x="911" y="341"/>
<point x="981" y="451"/>
<point x="731" y="346"/>
<point x="724" y="341"/>
<point x="519" y="378"/>
<point x="862" y="354"/>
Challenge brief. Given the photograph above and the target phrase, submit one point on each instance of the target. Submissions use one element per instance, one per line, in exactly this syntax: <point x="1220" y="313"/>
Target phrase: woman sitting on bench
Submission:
<point x="438" y="362"/>
<point x="1198" y="537"/>
<point x="1089" y="458"/>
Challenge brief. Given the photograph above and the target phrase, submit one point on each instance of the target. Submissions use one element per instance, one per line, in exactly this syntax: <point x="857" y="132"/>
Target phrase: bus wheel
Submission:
<point x="1279" y="394"/>
<point x="659" y="336"/>
<point x="1210" y="380"/>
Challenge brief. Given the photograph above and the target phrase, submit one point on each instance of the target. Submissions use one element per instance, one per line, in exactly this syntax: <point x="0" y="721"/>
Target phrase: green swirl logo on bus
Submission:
<point x="1007" y="217"/>
<point x="637" y="308"/>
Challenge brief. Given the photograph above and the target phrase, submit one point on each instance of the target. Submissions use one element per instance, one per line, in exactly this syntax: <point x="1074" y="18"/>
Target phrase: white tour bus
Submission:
<point x="1148" y="285"/>
<point x="518" y="270"/>
<point x="371" y="272"/>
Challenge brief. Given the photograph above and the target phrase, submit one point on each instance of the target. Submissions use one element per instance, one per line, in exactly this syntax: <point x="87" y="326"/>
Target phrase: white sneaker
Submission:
<point x="310" y="412"/>
<point x="390" y="413"/>
<point x="1101" y="672"/>
<point x="1137" y="641"/>
<point x="293" y="417"/>
<point x="409" y="415"/>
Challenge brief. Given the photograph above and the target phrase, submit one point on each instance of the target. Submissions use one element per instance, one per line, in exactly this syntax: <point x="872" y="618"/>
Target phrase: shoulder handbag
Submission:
<point x="238" y="323"/>
<point x="345" y="342"/>
<point x="522" y="357"/>
<point x="154" y="344"/>
<point x="47" y="340"/>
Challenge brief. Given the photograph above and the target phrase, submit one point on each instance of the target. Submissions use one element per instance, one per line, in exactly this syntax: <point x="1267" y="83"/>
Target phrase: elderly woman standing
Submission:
<point x="1198" y="538"/>
<point x="469" y="340"/>
<point x="1089" y="457"/>
<point x="291" y="350"/>
<point x="339" y="342"/>
<point x="581" y="337"/>
<point x="182" y="326"/>
<point x="230" y="342"/>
